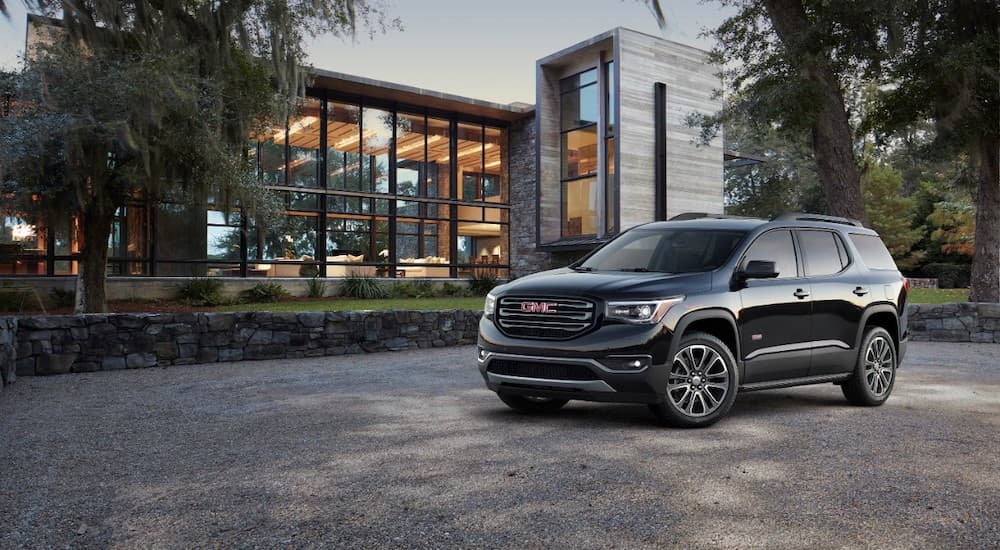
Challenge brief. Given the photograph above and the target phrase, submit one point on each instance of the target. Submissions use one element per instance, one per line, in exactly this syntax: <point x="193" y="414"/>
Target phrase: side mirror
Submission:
<point x="759" y="269"/>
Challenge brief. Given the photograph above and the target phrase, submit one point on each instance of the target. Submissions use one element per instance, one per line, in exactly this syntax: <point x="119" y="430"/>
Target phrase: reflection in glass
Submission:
<point x="343" y="153"/>
<point x="579" y="207"/>
<point x="579" y="149"/>
<point x="303" y="145"/>
<point x="377" y="125"/>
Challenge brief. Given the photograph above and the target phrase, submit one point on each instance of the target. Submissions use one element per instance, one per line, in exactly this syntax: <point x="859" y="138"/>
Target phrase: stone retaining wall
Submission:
<point x="958" y="322"/>
<point x="39" y="345"/>
<point x="8" y="340"/>
<point x="85" y="343"/>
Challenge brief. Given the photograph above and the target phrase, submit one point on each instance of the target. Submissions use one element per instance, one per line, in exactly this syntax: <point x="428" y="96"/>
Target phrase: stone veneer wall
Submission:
<point x="958" y="322"/>
<point x="8" y="354"/>
<point x="84" y="343"/>
<point x="525" y="258"/>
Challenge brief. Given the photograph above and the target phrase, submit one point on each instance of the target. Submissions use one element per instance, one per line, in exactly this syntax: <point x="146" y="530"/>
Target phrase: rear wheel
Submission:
<point x="531" y="404"/>
<point x="702" y="383"/>
<point x="875" y="372"/>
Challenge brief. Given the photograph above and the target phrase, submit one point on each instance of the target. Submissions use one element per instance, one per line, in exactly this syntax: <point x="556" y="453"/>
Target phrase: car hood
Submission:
<point x="607" y="285"/>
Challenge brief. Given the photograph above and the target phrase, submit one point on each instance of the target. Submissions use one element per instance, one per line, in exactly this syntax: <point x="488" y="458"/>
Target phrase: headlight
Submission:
<point x="490" y="306"/>
<point x="645" y="312"/>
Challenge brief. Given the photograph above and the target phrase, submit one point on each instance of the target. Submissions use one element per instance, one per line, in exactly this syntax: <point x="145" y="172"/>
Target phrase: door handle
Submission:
<point x="799" y="293"/>
<point x="860" y="291"/>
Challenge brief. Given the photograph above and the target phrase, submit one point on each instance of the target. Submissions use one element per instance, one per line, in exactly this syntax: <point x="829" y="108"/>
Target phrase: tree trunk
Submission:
<point x="832" y="142"/>
<point x="90" y="293"/>
<point x="984" y="285"/>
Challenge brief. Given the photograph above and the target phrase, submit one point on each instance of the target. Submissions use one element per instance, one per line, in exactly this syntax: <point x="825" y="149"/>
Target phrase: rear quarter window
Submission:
<point x="873" y="252"/>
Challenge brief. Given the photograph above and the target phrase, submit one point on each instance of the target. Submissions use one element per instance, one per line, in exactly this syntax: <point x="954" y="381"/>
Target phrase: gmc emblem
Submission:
<point x="538" y="307"/>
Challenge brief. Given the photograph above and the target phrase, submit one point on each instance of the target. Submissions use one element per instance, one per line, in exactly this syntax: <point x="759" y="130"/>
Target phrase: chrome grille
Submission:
<point x="547" y="318"/>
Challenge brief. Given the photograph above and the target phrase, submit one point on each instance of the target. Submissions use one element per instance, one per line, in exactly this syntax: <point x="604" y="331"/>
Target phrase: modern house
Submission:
<point x="389" y="180"/>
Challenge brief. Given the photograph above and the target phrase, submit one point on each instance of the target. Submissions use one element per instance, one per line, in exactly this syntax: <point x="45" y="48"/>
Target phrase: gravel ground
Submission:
<point x="410" y="450"/>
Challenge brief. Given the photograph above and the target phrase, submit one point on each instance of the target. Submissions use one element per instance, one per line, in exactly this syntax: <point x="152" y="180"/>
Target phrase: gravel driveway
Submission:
<point x="410" y="450"/>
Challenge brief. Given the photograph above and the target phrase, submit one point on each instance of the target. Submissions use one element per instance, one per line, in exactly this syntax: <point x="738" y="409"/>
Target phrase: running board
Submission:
<point x="804" y="381"/>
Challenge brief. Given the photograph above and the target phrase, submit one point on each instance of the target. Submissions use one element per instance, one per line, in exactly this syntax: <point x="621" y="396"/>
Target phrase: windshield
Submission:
<point x="666" y="251"/>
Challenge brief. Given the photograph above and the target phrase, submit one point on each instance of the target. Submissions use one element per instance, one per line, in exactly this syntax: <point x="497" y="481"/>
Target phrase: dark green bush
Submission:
<point x="414" y="289"/>
<point x="453" y="290"/>
<point x="62" y="298"/>
<point x="202" y="292"/>
<point x="264" y="293"/>
<point x="482" y="284"/>
<point x="948" y="275"/>
<point x="317" y="287"/>
<point x="359" y="286"/>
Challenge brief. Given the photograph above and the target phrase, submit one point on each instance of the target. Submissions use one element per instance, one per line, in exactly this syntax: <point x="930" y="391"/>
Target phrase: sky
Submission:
<point x="474" y="48"/>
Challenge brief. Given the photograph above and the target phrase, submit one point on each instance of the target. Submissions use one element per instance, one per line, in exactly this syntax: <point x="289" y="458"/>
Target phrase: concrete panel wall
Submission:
<point x="694" y="172"/>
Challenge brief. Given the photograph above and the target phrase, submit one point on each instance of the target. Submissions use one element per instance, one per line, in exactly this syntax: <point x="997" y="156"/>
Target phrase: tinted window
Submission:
<point x="873" y="252"/>
<point x="774" y="246"/>
<point x="668" y="251"/>
<point x="820" y="252"/>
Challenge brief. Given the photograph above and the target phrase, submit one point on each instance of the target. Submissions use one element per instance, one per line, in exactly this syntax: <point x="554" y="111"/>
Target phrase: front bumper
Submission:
<point x="589" y="355"/>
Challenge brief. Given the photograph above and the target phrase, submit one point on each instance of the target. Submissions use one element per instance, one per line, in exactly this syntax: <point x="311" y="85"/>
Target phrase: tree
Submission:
<point x="790" y="63"/>
<point x="181" y="87"/>
<point x="890" y="212"/>
<point x="946" y="70"/>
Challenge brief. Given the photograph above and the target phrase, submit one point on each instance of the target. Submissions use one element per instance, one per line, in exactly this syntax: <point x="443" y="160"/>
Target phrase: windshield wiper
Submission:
<point x="635" y="269"/>
<point x="581" y="268"/>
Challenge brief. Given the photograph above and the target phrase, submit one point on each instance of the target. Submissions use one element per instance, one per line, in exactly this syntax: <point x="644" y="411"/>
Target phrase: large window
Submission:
<point x="579" y="135"/>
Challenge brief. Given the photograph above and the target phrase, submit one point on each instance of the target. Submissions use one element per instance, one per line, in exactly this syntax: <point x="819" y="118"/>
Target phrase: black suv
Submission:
<point x="683" y="314"/>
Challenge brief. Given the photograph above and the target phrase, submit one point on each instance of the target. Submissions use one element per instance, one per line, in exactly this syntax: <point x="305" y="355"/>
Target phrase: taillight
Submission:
<point x="906" y="285"/>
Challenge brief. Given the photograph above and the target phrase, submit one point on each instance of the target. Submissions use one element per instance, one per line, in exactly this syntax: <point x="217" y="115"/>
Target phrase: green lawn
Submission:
<point x="346" y="304"/>
<point x="938" y="295"/>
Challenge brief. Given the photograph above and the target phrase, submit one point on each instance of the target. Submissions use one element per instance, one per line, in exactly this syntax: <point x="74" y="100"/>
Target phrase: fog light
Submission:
<point x="482" y="354"/>
<point x="628" y="362"/>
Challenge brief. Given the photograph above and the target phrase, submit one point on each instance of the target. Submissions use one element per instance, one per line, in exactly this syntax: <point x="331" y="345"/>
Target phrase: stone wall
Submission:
<point x="85" y="343"/>
<point x="958" y="322"/>
<point x="525" y="258"/>
<point x="8" y="341"/>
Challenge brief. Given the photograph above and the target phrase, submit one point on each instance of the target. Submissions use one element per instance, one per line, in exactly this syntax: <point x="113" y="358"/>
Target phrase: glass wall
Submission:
<point x="368" y="190"/>
<point x="578" y="123"/>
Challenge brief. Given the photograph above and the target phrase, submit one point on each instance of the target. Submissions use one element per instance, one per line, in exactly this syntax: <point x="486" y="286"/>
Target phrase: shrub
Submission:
<point x="264" y="293"/>
<point x="415" y="289"/>
<point x="201" y="292"/>
<point x="949" y="275"/>
<point x="359" y="286"/>
<point x="482" y="284"/>
<point x="453" y="290"/>
<point x="317" y="287"/>
<point x="62" y="298"/>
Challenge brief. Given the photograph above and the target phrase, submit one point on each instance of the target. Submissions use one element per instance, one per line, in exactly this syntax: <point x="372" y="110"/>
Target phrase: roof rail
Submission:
<point x="700" y="215"/>
<point x="804" y="217"/>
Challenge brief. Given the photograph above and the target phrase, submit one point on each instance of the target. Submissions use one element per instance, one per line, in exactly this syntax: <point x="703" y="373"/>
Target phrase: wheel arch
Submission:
<point x="717" y="322"/>
<point x="881" y="315"/>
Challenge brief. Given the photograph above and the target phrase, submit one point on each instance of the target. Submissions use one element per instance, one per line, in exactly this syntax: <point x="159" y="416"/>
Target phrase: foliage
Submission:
<point x="955" y="225"/>
<point x="451" y="289"/>
<point x="62" y="298"/>
<point x="890" y="213"/>
<point x="202" y="292"/>
<point x="480" y="284"/>
<point x="948" y="275"/>
<point x="264" y="292"/>
<point x="785" y="182"/>
<point x="359" y="286"/>
<point x="316" y="287"/>
<point x="415" y="289"/>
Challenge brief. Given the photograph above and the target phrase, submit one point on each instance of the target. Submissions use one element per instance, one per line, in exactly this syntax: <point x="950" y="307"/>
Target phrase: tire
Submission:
<point x="701" y="384"/>
<point x="533" y="405"/>
<point x="875" y="371"/>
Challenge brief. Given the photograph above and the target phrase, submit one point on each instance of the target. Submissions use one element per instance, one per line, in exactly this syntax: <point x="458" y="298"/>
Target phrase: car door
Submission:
<point x="838" y="300"/>
<point x="776" y="313"/>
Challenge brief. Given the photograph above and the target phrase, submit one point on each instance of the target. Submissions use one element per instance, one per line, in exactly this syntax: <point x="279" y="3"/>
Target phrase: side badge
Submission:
<point x="756" y="337"/>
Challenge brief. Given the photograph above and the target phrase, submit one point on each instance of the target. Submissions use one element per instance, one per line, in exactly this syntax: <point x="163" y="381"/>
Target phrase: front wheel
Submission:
<point x="702" y="383"/>
<point x="875" y="372"/>
<point x="531" y="404"/>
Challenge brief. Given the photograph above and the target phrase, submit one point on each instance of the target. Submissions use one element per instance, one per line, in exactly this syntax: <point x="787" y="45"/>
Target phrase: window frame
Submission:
<point x="838" y="244"/>
<point x="799" y="267"/>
